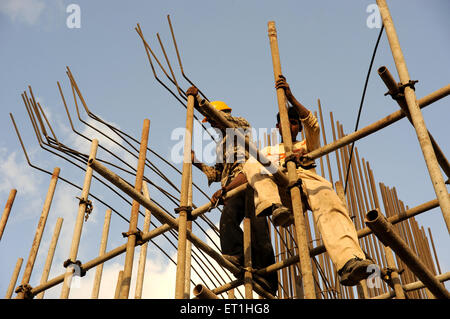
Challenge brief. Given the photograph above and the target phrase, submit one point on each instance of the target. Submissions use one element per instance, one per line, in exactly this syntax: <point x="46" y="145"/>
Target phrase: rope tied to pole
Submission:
<point x="88" y="207"/>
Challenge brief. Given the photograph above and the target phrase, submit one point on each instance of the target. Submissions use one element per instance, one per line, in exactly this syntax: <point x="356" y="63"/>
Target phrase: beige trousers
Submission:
<point x="329" y="213"/>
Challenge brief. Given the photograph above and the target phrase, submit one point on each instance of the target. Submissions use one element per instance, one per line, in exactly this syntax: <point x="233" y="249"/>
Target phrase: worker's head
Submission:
<point x="219" y="106"/>
<point x="294" y="122"/>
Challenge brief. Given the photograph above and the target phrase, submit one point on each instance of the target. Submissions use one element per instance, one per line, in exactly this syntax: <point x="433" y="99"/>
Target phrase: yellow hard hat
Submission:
<point x="219" y="106"/>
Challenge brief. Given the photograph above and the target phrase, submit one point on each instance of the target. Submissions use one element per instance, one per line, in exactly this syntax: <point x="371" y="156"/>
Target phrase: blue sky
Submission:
<point x="325" y="49"/>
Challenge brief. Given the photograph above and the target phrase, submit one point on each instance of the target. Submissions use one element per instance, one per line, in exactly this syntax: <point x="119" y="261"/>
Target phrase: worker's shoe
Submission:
<point x="281" y="216"/>
<point x="235" y="260"/>
<point x="266" y="285"/>
<point x="354" y="271"/>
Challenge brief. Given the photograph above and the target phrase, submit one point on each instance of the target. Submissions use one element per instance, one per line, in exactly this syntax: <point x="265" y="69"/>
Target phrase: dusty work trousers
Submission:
<point x="329" y="213"/>
<point x="231" y="235"/>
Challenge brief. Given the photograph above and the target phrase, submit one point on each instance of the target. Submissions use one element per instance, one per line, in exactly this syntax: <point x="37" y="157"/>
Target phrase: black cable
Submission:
<point x="362" y="102"/>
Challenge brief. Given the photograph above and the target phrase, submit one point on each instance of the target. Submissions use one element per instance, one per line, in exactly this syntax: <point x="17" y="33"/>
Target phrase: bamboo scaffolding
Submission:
<point x="384" y="230"/>
<point x="416" y="115"/>
<point x="103" y="244"/>
<point x="50" y="254"/>
<point x="24" y="289"/>
<point x="7" y="211"/>
<point x="360" y="198"/>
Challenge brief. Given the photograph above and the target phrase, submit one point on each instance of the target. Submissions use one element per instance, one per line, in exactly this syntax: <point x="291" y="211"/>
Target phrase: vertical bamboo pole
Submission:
<point x="7" y="210"/>
<point x="434" y="251"/>
<point x="248" y="277"/>
<point x="38" y="235"/>
<point x="299" y="219"/>
<point x="184" y="200"/>
<point x="416" y="115"/>
<point x="14" y="277"/>
<point x="187" y="279"/>
<point x="143" y="252"/>
<point x="51" y="253"/>
<point x="79" y="222"/>
<point x="132" y="231"/>
<point x="118" y="285"/>
<point x="103" y="243"/>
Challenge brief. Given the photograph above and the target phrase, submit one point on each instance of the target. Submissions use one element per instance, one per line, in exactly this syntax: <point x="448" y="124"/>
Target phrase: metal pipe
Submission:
<point x="7" y="210"/>
<point x="184" y="198"/>
<point x="103" y="243"/>
<point x="376" y="126"/>
<point x="143" y="252"/>
<point x="414" y="286"/>
<point x="38" y="235"/>
<point x="131" y="242"/>
<point x="202" y="292"/>
<point x="416" y="115"/>
<point x="51" y="253"/>
<point x="299" y="219"/>
<point x="394" y="90"/>
<point x="385" y="232"/>
<point x="79" y="222"/>
<point x="14" y="277"/>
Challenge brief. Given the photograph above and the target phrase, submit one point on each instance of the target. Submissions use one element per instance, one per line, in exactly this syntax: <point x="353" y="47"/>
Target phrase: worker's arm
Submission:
<point x="282" y="84"/>
<point x="237" y="181"/>
<point x="309" y="121"/>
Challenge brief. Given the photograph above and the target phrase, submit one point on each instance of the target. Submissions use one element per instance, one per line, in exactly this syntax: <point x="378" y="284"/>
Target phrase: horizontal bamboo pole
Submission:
<point x="202" y="292"/>
<point x="413" y="286"/>
<point x="385" y="232"/>
<point x="376" y="126"/>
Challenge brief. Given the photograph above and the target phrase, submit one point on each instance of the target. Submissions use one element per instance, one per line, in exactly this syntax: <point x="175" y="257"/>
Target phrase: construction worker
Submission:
<point x="329" y="212"/>
<point x="228" y="171"/>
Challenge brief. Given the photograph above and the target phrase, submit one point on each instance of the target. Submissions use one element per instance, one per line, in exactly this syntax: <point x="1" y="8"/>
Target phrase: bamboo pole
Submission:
<point x="416" y="115"/>
<point x="103" y="243"/>
<point x="187" y="276"/>
<point x="14" y="277"/>
<point x="118" y="285"/>
<point x="184" y="200"/>
<point x="384" y="231"/>
<point x="143" y="252"/>
<point x="7" y="211"/>
<point x="202" y="292"/>
<point x="376" y="126"/>
<point x="132" y="231"/>
<point x="51" y="253"/>
<point x="299" y="219"/>
<point x="79" y="223"/>
<point x="23" y="289"/>
<point x="395" y="92"/>
<point x="247" y="243"/>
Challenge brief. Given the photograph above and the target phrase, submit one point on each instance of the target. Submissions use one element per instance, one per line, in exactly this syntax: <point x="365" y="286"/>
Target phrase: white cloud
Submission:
<point x="27" y="11"/>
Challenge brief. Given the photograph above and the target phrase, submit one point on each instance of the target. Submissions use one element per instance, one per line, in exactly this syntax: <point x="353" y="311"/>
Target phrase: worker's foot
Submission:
<point x="281" y="216"/>
<point x="265" y="285"/>
<point x="234" y="259"/>
<point x="354" y="271"/>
